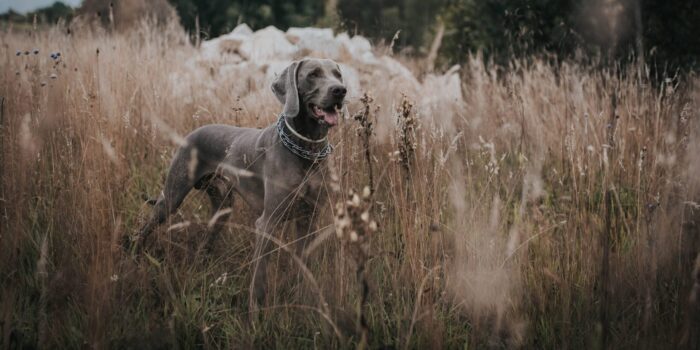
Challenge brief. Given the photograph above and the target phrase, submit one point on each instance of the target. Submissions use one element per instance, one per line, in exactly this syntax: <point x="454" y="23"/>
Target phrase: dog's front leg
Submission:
<point x="276" y="204"/>
<point x="262" y="248"/>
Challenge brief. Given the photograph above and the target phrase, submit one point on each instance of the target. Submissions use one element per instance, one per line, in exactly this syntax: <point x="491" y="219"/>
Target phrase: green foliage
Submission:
<point x="382" y="19"/>
<point x="671" y="31"/>
<point x="375" y="19"/>
<point x="49" y="15"/>
<point x="502" y="29"/>
<point x="219" y="16"/>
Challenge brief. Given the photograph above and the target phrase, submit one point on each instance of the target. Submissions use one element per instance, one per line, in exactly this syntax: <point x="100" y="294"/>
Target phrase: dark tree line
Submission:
<point x="50" y="14"/>
<point x="663" y="32"/>
<point x="666" y="31"/>
<point x="217" y="17"/>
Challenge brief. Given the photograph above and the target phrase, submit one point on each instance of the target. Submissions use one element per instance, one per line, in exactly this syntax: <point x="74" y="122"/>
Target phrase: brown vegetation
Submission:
<point x="497" y="238"/>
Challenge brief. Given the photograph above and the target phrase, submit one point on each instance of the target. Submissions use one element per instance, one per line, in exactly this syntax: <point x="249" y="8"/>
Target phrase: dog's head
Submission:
<point x="311" y="88"/>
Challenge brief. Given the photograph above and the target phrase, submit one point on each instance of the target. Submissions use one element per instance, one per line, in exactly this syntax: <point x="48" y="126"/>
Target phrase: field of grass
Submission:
<point x="557" y="208"/>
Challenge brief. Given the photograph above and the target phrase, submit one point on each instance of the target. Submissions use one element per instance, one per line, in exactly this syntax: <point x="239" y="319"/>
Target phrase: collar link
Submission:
<point x="296" y="148"/>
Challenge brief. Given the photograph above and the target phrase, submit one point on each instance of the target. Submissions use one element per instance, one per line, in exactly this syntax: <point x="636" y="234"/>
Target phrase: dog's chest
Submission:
<point x="312" y="187"/>
<point x="315" y="187"/>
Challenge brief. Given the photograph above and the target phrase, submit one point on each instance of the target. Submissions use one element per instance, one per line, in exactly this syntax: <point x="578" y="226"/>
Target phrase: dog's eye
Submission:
<point x="315" y="73"/>
<point x="337" y="74"/>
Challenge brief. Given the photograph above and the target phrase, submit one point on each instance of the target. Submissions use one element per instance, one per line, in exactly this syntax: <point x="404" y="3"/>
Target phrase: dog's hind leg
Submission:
<point x="177" y="185"/>
<point x="221" y="199"/>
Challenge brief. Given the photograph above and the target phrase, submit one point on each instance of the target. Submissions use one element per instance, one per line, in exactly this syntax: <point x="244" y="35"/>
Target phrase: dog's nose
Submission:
<point x="338" y="91"/>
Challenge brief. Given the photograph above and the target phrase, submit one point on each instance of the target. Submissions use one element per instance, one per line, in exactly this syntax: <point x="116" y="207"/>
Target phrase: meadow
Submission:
<point x="557" y="208"/>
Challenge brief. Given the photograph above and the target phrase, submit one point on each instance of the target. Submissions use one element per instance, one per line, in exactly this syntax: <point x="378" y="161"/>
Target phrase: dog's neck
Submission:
<point x="308" y="127"/>
<point x="302" y="145"/>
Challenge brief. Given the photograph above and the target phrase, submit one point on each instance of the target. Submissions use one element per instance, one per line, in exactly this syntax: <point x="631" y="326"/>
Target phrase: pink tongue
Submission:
<point x="331" y="118"/>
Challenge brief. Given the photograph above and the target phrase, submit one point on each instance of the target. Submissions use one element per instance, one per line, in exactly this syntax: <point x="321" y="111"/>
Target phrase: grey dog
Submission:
<point x="277" y="170"/>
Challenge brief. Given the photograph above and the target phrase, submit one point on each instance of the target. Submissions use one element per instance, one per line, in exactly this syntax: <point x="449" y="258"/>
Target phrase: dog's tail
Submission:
<point x="149" y="200"/>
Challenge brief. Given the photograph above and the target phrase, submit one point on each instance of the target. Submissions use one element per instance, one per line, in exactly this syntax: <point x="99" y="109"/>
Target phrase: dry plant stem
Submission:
<point x="650" y="270"/>
<point x="691" y="338"/>
<point x="305" y="271"/>
<point x="42" y="277"/>
<point x="59" y="183"/>
<point x="353" y="227"/>
<point x="393" y="41"/>
<point x="111" y="16"/>
<point x="407" y="126"/>
<point x="435" y="47"/>
<point x="197" y="41"/>
<point x="364" y="296"/>
<point x="416" y="307"/>
<point x="366" y="128"/>
<point x="3" y="212"/>
<point x="607" y="232"/>
<point x="605" y="271"/>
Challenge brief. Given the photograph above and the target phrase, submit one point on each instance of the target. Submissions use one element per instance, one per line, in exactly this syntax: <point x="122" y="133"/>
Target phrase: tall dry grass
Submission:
<point x="557" y="208"/>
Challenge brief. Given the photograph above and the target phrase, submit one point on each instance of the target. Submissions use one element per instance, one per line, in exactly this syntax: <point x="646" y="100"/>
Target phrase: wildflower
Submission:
<point x="366" y="192"/>
<point x="355" y="200"/>
<point x="407" y="123"/>
<point x="373" y="226"/>
<point x="343" y="223"/>
<point x="352" y="219"/>
<point x="114" y="278"/>
<point x="222" y="279"/>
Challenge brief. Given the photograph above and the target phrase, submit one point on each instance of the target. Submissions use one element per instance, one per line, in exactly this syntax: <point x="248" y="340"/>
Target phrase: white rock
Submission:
<point x="441" y="106"/>
<point x="398" y="71"/>
<point x="358" y="48"/>
<point x="351" y="79"/>
<point x="318" y="41"/>
<point x="449" y="85"/>
<point x="360" y="44"/>
<point x="228" y="44"/>
<point x="273" y="68"/>
<point x="242" y="30"/>
<point x="267" y="44"/>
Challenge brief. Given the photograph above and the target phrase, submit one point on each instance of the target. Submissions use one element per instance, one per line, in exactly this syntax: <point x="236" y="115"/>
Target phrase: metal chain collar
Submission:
<point x="300" y="151"/>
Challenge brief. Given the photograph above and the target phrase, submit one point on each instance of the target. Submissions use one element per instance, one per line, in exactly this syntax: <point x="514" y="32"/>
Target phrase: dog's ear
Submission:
<point x="285" y="89"/>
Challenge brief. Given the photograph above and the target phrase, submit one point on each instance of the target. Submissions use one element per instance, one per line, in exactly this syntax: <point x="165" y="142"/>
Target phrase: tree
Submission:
<point x="126" y="13"/>
<point x="381" y="19"/>
<point x="50" y="14"/>
<point x="502" y="29"/>
<point x="218" y="17"/>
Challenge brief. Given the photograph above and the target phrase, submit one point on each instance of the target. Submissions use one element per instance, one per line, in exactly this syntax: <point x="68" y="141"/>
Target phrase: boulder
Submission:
<point x="318" y="42"/>
<point x="267" y="44"/>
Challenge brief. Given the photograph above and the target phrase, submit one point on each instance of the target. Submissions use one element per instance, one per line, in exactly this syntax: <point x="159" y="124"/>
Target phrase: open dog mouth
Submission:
<point x="329" y="115"/>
